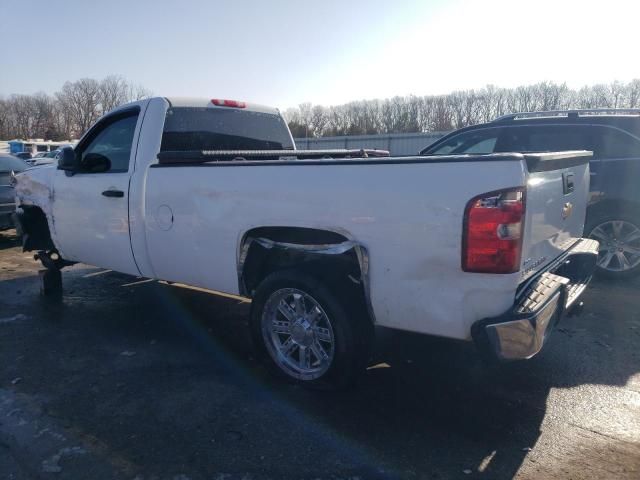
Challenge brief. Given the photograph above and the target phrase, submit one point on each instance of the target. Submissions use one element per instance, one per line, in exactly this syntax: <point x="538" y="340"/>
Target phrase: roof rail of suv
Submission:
<point x="568" y="113"/>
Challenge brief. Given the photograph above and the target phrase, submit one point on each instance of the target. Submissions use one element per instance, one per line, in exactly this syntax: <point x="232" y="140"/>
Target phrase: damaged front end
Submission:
<point x="33" y="215"/>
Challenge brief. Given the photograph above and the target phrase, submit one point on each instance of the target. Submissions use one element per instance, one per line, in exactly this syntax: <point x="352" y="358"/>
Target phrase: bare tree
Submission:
<point x="550" y="95"/>
<point x="633" y="94"/>
<point x="617" y="92"/>
<point x="81" y="100"/>
<point x="338" y="120"/>
<point x="5" y="119"/>
<point x="318" y="120"/>
<point x="114" y="91"/>
<point x="20" y="108"/>
<point x="138" y="92"/>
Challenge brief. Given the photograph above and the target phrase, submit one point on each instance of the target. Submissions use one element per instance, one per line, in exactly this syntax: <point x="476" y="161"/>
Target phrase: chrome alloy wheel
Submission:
<point x="619" y="245"/>
<point x="298" y="334"/>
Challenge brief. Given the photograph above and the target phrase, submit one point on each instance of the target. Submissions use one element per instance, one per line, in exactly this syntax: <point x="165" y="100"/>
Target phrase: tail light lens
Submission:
<point x="493" y="226"/>
<point x="228" y="103"/>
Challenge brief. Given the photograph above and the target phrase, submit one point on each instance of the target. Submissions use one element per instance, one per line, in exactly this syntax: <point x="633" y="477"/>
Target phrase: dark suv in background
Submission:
<point x="613" y="215"/>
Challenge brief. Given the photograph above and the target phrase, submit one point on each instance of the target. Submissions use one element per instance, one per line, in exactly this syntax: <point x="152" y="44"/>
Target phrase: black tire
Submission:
<point x="595" y="221"/>
<point x="351" y="330"/>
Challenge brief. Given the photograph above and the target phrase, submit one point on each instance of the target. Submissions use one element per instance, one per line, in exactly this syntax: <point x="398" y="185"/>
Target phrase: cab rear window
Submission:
<point x="195" y="128"/>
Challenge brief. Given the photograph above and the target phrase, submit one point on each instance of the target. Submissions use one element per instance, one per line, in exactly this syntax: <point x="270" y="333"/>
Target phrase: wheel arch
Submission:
<point x="327" y="254"/>
<point x="33" y="226"/>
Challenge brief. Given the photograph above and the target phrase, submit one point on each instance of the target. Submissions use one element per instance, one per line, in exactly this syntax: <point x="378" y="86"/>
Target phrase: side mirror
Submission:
<point x="68" y="160"/>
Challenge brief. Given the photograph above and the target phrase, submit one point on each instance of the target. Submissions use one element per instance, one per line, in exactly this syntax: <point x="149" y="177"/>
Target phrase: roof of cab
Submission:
<point x="206" y="102"/>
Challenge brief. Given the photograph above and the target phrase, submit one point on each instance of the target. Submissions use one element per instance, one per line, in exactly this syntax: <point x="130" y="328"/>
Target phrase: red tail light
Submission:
<point x="228" y="103"/>
<point x="493" y="226"/>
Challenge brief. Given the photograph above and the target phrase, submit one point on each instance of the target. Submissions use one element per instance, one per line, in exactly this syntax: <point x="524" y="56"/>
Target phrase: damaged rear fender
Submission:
<point x="265" y="250"/>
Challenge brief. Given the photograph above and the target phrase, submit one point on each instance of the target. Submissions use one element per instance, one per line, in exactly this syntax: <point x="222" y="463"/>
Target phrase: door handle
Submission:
<point x="113" y="193"/>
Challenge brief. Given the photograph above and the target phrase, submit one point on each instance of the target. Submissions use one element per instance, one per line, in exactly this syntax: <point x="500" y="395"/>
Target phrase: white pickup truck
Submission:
<point x="212" y="193"/>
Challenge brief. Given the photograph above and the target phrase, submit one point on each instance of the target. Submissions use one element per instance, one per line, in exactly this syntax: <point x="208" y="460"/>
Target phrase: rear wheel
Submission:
<point x="619" y="237"/>
<point x="305" y="333"/>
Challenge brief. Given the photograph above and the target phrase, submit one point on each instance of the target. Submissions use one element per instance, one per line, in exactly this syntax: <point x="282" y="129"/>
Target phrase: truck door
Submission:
<point x="90" y="207"/>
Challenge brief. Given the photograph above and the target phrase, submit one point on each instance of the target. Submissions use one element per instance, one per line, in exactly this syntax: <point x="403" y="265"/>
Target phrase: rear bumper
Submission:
<point x="521" y="332"/>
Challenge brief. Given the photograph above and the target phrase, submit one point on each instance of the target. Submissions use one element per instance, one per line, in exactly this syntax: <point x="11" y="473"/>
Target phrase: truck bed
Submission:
<point x="407" y="212"/>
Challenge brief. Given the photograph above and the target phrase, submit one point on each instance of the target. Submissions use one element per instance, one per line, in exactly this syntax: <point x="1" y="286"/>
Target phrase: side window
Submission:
<point x="546" y="138"/>
<point x="112" y="140"/>
<point x="614" y="143"/>
<point x="476" y="141"/>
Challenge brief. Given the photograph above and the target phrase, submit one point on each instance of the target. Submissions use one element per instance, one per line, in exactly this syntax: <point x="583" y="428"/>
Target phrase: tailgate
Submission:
<point x="556" y="203"/>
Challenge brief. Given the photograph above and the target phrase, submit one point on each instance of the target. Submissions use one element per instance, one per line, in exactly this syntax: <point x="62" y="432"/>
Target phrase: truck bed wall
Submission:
<point x="408" y="216"/>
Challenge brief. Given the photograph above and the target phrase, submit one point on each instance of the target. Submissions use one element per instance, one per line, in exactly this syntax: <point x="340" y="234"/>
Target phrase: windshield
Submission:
<point x="474" y="142"/>
<point x="197" y="128"/>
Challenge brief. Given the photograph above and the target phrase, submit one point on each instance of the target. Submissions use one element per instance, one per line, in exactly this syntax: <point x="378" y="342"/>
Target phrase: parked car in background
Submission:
<point x="48" y="159"/>
<point x="23" y="155"/>
<point x="32" y="160"/>
<point x="212" y="193"/>
<point x="613" y="214"/>
<point x="8" y="164"/>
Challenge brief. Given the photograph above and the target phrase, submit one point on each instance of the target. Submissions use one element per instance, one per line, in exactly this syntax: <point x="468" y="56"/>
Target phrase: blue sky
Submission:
<point x="286" y="52"/>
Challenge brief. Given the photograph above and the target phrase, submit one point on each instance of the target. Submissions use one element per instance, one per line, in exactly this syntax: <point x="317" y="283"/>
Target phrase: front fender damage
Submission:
<point x="34" y="213"/>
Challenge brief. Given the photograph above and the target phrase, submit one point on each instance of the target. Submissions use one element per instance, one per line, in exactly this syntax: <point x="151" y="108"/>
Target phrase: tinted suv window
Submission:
<point x="475" y="141"/>
<point x="197" y="128"/>
<point x="614" y="143"/>
<point x="551" y="138"/>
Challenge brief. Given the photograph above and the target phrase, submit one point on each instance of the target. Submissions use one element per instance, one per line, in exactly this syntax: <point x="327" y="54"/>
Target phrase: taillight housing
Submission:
<point x="492" y="232"/>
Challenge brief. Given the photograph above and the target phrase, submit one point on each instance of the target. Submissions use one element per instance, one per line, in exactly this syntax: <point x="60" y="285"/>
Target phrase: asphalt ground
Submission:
<point x="123" y="377"/>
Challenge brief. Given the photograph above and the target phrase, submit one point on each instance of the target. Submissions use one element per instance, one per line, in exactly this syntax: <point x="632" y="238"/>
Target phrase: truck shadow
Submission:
<point x="174" y="367"/>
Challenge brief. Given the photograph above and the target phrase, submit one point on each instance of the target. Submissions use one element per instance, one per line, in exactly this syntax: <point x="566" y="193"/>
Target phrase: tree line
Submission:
<point x="67" y="113"/>
<point x="71" y="111"/>
<point x="458" y="109"/>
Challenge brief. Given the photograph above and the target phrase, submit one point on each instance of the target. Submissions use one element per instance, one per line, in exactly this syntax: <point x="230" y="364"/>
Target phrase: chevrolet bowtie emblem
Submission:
<point x="567" y="209"/>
